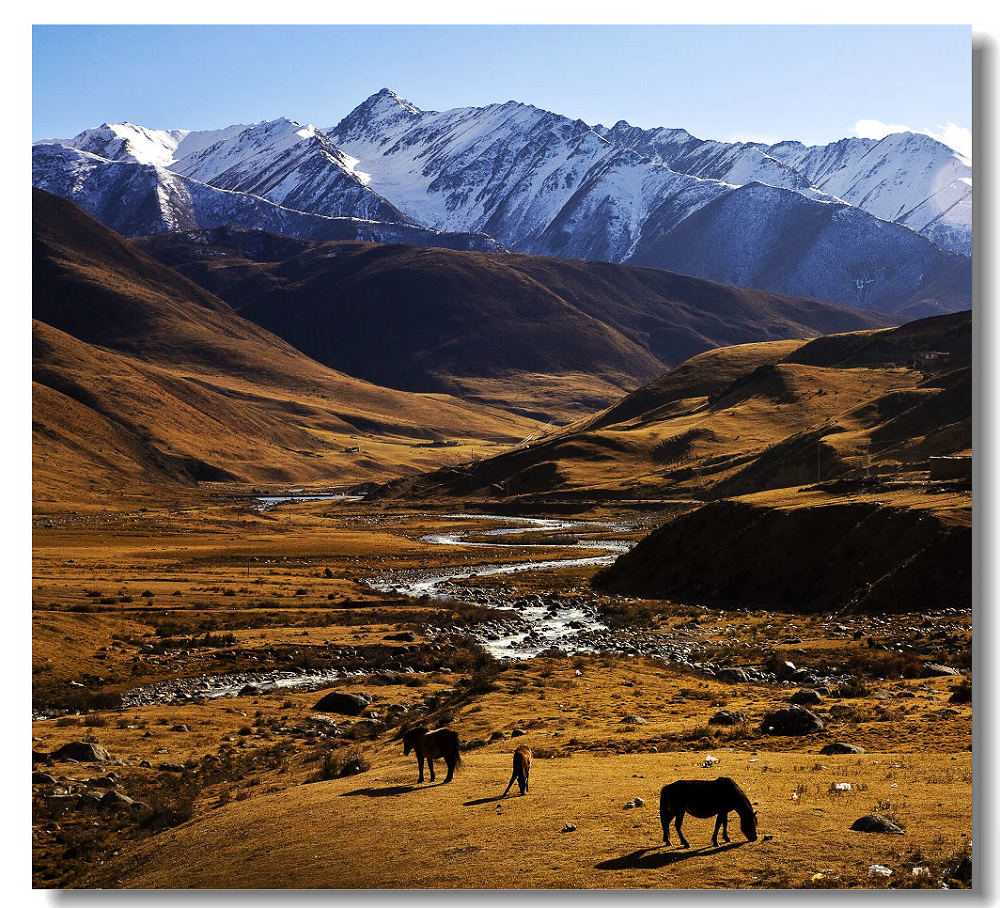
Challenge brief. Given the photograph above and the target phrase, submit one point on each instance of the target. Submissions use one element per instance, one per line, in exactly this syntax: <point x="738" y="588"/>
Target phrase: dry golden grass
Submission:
<point x="254" y="824"/>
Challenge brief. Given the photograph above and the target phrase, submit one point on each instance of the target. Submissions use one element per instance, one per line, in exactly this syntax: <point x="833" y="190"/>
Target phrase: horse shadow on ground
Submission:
<point x="651" y="859"/>
<point x="387" y="792"/>
<point x="484" y="801"/>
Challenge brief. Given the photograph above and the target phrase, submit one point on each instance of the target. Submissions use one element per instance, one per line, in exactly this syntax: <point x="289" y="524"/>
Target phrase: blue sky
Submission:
<point x="813" y="83"/>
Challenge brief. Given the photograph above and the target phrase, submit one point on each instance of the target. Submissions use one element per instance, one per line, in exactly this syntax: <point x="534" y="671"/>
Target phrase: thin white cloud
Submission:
<point x="957" y="137"/>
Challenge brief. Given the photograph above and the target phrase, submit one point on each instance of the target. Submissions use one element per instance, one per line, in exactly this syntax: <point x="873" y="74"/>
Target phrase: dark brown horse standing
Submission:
<point x="522" y="766"/>
<point x="706" y="798"/>
<point x="442" y="743"/>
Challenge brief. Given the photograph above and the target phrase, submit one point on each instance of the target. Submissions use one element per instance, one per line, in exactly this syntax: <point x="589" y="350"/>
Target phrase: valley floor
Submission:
<point x="194" y="645"/>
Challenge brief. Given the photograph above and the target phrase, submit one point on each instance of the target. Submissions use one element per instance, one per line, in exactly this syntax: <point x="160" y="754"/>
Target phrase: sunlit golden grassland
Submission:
<point x="247" y="792"/>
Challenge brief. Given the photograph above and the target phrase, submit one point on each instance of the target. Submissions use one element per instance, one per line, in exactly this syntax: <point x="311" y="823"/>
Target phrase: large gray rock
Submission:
<point x="794" y="720"/>
<point x="874" y="822"/>
<point x="347" y="704"/>
<point x="82" y="752"/>
<point x="805" y="697"/>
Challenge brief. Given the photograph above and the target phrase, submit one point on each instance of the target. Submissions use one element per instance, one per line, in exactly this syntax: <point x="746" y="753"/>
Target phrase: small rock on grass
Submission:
<point x="569" y="827"/>
<point x="841" y="747"/>
<point x="874" y="822"/>
<point x="727" y="717"/>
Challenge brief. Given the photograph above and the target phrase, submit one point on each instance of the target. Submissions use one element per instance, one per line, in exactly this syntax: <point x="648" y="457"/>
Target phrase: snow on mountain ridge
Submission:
<point x="548" y="184"/>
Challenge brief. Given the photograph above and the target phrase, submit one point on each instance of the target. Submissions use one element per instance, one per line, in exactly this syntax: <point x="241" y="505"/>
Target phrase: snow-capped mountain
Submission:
<point x="142" y="199"/>
<point x="549" y="185"/>
<point x="909" y="178"/>
<point x="858" y="221"/>
<point x="291" y="165"/>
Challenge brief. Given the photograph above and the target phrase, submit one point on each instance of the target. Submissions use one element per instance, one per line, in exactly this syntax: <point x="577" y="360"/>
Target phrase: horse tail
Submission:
<point x="456" y="754"/>
<point x="666" y="805"/>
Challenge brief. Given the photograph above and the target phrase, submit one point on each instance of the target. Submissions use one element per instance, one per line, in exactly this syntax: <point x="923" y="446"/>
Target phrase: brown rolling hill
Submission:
<point x="141" y="376"/>
<point x="554" y="338"/>
<point x="814" y="460"/>
<point x="749" y="418"/>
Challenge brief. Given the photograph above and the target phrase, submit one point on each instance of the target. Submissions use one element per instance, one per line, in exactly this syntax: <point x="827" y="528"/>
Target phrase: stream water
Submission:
<point x="544" y="621"/>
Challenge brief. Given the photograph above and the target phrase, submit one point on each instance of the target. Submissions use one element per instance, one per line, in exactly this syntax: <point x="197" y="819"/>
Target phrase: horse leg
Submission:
<point x="451" y="768"/>
<point x="430" y="766"/>
<point x="677" y="826"/>
<point x="725" y="826"/>
<point x="666" y="815"/>
<point x="420" y="763"/>
<point x="523" y="783"/>
<point x="715" y="833"/>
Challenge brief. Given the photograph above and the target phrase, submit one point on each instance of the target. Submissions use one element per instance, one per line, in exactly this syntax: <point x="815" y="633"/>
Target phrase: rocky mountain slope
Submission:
<point x="138" y="198"/>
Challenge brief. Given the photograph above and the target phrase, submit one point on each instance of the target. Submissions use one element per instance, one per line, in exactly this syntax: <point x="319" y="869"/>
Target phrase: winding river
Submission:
<point x="543" y="621"/>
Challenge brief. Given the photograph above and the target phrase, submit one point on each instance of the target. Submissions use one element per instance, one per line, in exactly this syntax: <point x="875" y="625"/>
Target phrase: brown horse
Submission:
<point x="522" y="766"/>
<point x="706" y="798"/>
<point x="432" y="745"/>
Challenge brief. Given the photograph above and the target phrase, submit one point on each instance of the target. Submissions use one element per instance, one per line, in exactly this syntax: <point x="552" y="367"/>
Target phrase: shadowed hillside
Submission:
<point x="142" y="376"/>
<point x="750" y="418"/>
<point x="556" y="337"/>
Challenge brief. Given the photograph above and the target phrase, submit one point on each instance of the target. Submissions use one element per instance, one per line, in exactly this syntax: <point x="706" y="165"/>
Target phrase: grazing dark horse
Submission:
<point x="522" y="766"/>
<point x="706" y="798"/>
<point x="432" y="745"/>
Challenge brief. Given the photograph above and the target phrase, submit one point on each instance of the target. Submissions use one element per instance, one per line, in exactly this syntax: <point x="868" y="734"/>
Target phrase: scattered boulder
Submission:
<point x="326" y="722"/>
<point x="633" y="720"/>
<point x="934" y="670"/>
<point x="405" y="636"/>
<point x="498" y="736"/>
<point x="248" y="690"/>
<point x="874" y="822"/>
<point x="732" y="675"/>
<point x="82" y="752"/>
<point x="805" y="697"/>
<point x="961" y="693"/>
<point x="518" y="733"/>
<point x="635" y="802"/>
<point x="349" y="704"/>
<point x="569" y="827"/>
<point x="108" y="781"/>
<point x="171" y="767"/>
<point x="474" y="744"/>
<point x="841" y="747"/>
<point x="727" y="717"/>
<point x="115" y="800"/>
<point x="794" y="720"/>
<point x="38" y="757"/>
<point x="42" y="778"/>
